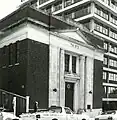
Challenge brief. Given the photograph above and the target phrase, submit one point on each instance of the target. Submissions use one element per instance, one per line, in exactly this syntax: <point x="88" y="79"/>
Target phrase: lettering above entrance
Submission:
<point x="75" y="45"/>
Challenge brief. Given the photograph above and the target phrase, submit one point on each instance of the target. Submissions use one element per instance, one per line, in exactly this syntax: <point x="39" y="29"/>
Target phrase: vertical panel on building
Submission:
<point x="97" y="84"/>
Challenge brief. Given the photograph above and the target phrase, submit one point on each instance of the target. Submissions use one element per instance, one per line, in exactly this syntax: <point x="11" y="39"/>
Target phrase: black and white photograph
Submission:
<point x="58" y="59"/>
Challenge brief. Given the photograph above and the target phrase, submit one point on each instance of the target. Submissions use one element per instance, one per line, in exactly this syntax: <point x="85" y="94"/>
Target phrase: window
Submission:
<point x="106" y="1"/>
<point x="113" y="19"/>
<point x="10" y="54"/>
<point x="4" y="50"/>
<point x="105" y="46"/>
<point x="68" y="2"/>
<point x="48" y="9"/>
<point x="105" y="61"/>
<point x="67" y="60"/>
<point x="4" y="59"/>
<point x="113" y="63"/>
<point x="101" y="28"/>
<point x="58" y="6"/>
<point x="42" y="1"/>
<point x="17" y="52"/>
<point x="113" y="34"/>
<point x="113" y="48"/>
<point x="101" y="12"/>
<point x="112" y="90"/>
<point x="68" y="15"/>
<point x="55" y="109"/>
<point x="73" y="64"/>
<point x="113" y="76"/>
<point x="105" y="89"/>
<point x="113" y="4"/>
<point x="104" y="75"/>
<point x="68" y="111"/>
<point x="82" y="11"/>
<point x="70" y="63"/>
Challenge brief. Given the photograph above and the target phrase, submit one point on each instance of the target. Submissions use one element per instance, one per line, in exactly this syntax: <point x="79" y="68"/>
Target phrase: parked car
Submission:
<point x="54" y="113"/>
<point x="7" y="115"/>
<point x="107" y="115"/>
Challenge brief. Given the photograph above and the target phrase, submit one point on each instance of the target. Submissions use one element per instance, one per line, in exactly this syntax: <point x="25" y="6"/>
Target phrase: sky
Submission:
<point x="8" y="6"/>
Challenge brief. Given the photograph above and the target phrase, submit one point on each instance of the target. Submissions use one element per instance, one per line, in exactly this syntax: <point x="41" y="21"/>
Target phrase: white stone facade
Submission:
<point x="59" y="45"/>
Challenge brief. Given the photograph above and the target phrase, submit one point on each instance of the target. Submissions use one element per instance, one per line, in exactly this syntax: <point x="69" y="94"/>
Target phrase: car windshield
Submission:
<point x="108" y="112"/>
<point x="55" y="109"/>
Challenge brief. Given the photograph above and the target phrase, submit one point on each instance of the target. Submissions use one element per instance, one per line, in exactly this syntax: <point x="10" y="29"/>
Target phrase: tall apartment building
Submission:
<point x="100" y="17"/>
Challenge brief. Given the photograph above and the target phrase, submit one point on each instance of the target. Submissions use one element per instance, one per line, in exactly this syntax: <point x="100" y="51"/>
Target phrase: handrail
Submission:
<point x="12" y="94"/>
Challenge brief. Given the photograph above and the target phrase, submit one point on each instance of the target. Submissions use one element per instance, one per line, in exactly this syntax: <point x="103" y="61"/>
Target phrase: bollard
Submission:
<point x="27" y="104"/>
<point x="14" y="105"/>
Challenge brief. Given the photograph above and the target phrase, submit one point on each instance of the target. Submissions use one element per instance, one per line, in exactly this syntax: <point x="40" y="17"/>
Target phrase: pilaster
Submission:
<point x="82" y="74"/>
<point x="92" y="12"/>
<point x="54" y="75"/>
<point x="92" y="25"/>
<point x="52" y="9"/>
<point x="63" y="4"/>
<point x="109" y="17"/>
<point x="89" y="83"/>
<point x="61" y="80"/>
<point x="76" y="96"/>
<point x="92" y="8"/>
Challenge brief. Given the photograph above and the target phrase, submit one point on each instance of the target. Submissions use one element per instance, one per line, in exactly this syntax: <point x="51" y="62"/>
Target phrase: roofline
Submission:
<point x="73" y="40"/>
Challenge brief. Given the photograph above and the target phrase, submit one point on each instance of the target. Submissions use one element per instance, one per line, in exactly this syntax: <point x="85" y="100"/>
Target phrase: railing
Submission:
<point x="14" y="102"/>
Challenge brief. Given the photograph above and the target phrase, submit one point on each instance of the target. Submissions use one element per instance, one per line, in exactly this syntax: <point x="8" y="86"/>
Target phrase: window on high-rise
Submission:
<point x="112" y="92"/>
<point x="113" y="34"/>
<point x="113" y="48"/>
<point x="58" y="6"/>
<point x="101" y="12"/>
<point x="113" y="4"/>
<point x="42" y="1"/>
<point x="104" y="75"/>
<point x="113" y="62"/>
<point x="113" y="76"/>
<point x="105" y="46"/>
<point x="105" y="61"/>
<point x="113" y="19"/>
<point x="68" y="15"/>
<point x="87" y="24"/>
<point x="105" y="91"/>
<point x="77" y="1"/>
<point x="82" y="11"/>
<point x="101" y="28"/>
<point x="106" y="1"/>
<point x="48" y="9"/>
<point x="68" y="2"/>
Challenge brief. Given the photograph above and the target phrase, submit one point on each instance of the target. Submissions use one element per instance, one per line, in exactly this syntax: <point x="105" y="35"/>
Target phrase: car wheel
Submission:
<point x="8" y="119"/>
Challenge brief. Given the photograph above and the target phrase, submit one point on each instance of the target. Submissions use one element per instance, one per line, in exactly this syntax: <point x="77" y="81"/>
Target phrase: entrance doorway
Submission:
<point x="69" y="92"/>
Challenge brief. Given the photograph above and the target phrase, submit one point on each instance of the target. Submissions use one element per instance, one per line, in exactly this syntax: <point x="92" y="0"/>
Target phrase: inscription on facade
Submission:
<point x="75" y="46"/>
